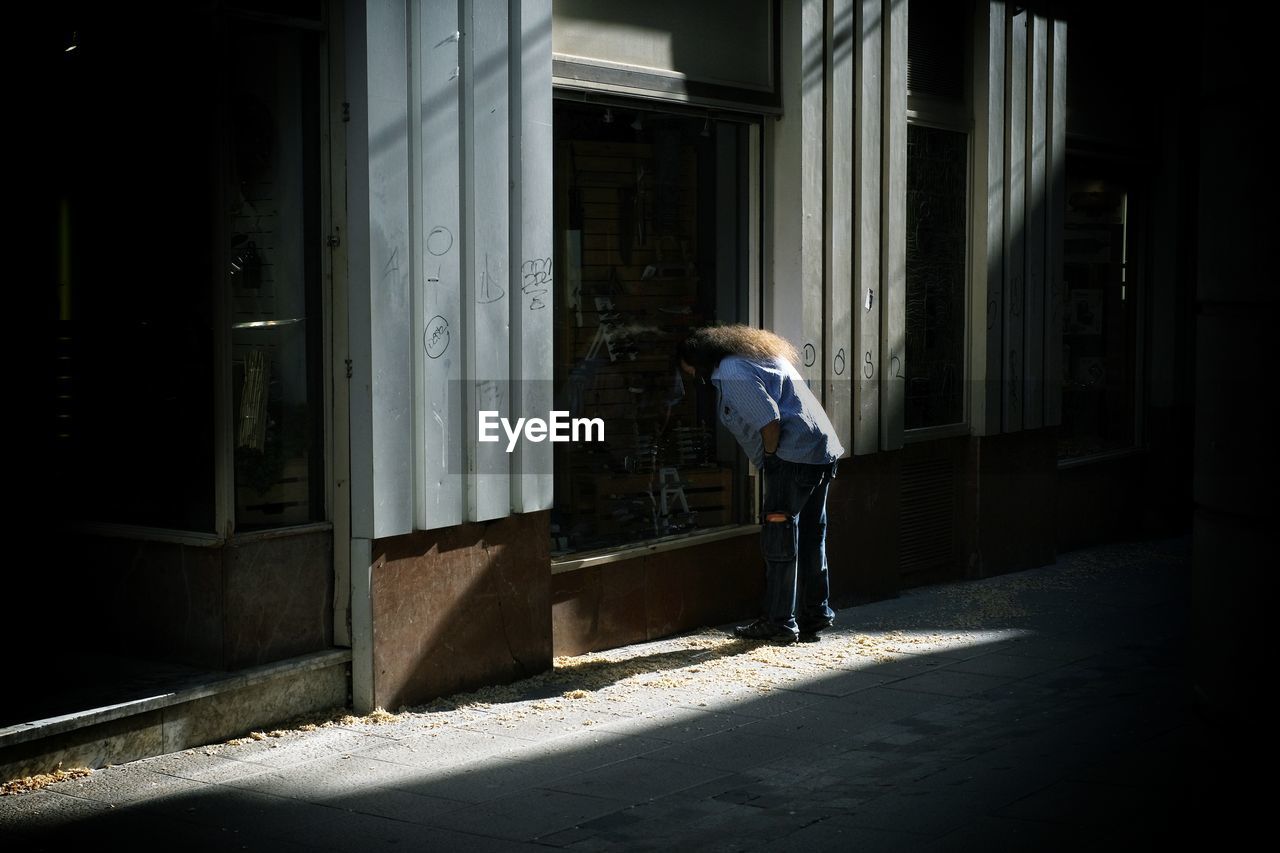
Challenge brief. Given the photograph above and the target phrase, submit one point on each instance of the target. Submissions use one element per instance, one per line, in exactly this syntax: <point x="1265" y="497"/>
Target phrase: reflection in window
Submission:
<point x="651" y="217"/>
<point x="1098" y="322"/>
<point x="937" y="181"/>
<point x="272" y="267"/>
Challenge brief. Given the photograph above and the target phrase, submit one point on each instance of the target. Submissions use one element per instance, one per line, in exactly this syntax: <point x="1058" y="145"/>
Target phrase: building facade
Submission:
<point x="393" y="217"/>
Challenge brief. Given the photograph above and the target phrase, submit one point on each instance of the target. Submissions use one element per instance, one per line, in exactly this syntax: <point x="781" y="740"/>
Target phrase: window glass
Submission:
<point x="1098" y="321"/>
<point x="937" y="235"/>
<point x="125" y="148"/>
<point x="651" y="225"/>
<point x="272" y="266"/>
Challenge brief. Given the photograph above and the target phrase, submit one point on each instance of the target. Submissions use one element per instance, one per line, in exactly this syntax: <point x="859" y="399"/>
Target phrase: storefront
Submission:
<point x="406" y="218"/>
<point x="193" y="408"/>
<point x="890" y="203"/>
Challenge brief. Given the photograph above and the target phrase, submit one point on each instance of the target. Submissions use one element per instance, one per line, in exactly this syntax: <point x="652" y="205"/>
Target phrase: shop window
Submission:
<point x="166" y="191"/>
<point x="651" y="225"/>
<point x="939" y="115"/>
<point x="937" y="235"/>
<point x="1099" y="321"/>
<point x="123" y="150"/>
<point x="272" y="267"/>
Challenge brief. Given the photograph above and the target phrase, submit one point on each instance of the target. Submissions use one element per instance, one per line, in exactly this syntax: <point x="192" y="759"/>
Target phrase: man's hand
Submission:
<point x="770" y="435"/>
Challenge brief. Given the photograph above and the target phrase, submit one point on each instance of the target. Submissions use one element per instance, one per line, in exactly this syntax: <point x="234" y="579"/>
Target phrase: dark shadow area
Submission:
<point x="94" y="680"/>
<point x="144" y="129"/>
<point x="1078" y="730"/>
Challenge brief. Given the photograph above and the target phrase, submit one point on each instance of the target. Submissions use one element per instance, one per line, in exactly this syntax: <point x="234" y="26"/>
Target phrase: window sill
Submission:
<point x="194" y="538"/>
<point x="1104" y="456"/>
<point x="922" y="434"/>
<point x="589" y="559"/>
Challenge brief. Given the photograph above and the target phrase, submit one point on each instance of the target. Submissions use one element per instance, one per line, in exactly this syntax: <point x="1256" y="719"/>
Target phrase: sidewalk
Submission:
<point x="1046" y="709"/>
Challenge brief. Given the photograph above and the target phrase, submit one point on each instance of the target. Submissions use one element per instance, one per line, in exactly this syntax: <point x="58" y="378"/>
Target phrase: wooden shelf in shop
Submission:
<point x="708" y="491"/>
<point x="285" y="502"/>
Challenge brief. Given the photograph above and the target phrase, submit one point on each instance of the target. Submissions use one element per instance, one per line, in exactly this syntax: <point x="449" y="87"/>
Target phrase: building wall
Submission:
<point x="248" y="602"/>
<point x="1235" y="450"/>
<point x="1101" y="501"/>
<point x="1017" y="488"/>
<point x="475" y="603"/>
<point x="862" y="525"/>
<point x="651" y="596"/>
<point x="1129" y="110"/>
<point x="460" y="607"/>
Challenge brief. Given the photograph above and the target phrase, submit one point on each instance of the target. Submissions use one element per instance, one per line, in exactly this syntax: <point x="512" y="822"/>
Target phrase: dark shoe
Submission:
<point x="763" y="629"/>
<point x="809" y="630"/>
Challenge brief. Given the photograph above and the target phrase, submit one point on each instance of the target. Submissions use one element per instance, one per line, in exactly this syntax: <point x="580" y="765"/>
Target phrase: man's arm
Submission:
<point x="770" y="435"/>
<point x="743" y="388"/>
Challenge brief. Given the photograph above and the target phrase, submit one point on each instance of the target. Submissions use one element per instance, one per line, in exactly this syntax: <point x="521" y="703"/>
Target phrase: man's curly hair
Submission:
<point x="705" y="348"/>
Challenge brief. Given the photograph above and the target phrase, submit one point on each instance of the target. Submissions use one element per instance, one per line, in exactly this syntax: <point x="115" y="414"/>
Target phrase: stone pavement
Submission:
<point x="1047" y="709"/>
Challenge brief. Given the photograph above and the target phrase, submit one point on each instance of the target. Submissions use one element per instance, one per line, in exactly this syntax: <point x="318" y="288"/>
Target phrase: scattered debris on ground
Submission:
<point x="336" y="717"/>
<point x="40" y="780"/>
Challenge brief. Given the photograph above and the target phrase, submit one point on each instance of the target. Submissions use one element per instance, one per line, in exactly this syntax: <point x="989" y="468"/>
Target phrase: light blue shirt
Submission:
<point x="753" y="393"/>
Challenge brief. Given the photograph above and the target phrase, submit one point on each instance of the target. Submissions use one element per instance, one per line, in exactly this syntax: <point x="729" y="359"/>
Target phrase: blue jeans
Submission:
<point x="795" y="550"/>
